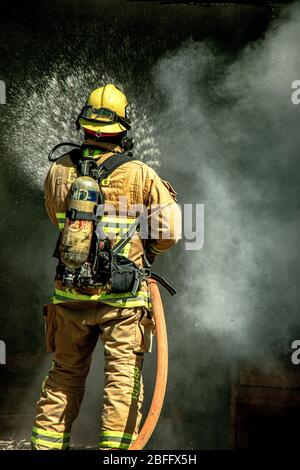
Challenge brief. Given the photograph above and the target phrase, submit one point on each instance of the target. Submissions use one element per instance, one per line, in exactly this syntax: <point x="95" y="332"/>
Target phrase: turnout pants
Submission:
<point x="72" y="331"/>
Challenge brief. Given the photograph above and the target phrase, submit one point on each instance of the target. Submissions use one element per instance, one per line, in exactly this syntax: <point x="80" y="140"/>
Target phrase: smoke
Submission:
<point x="230" y="134"/>
<point x="225" y="132"/>
<point x="229" y="138"/>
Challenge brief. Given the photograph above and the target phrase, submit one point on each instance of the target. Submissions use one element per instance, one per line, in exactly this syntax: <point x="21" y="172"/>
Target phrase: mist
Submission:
<point x="230" y="134"/>
<point x="221" y="127"/>
<point x="229" y="138"/>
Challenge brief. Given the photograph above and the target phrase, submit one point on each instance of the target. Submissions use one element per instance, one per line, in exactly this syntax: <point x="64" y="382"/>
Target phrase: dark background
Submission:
<point x="132" y="42"/>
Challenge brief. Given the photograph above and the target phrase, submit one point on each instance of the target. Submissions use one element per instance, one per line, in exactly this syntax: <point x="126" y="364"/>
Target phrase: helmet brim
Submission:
<point x="105" y="128"/>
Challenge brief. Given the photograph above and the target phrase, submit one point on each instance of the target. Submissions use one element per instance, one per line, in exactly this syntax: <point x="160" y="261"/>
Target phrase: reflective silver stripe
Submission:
<point x="50" y="439"/>
<point x="61" y="440"/>
<point x="50" y="445"/>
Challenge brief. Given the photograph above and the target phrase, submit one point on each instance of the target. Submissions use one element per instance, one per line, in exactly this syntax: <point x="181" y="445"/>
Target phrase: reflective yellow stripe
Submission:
<point x="61" y="219"/>
<point x="107" y="219"/>
<point x="126" y="249"/>
<point x="114" y="445"/>
<point x="117" y="230"/>
<point x="58" y="435"/>
<point x="50" y="445"/>
<point x="120" y="233"/>
<point x="115" y="221"/>
<point x="125" y="300"/>
<point x="108" y="230"/>
<point x="118" y="303"/>
<point x="72" y="294"/>
<point x="137" y="373"/>
<point x="118" y="434"/>
<point x="118" y="220"/>
<point x="105" y="181"/>
<point x="116" y="439"/>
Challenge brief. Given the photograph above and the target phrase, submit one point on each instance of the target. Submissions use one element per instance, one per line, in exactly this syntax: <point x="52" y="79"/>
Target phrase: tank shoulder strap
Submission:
<point x="112" y="163"/>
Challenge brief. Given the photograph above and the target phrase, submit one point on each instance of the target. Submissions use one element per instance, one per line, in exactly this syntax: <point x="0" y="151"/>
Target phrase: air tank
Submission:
<point x="77" y="235"/>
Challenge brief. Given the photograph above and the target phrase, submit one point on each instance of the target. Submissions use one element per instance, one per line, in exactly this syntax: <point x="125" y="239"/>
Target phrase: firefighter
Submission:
<point x="80" y="314"/>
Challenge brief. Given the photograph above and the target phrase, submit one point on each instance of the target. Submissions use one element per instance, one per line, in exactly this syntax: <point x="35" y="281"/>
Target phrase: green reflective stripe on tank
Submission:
<point x="61" y="219"/>
<point x="117" y="220"/>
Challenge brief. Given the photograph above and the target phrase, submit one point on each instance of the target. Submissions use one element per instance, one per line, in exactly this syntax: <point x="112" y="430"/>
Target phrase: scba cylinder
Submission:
<point x="77" y="235"/>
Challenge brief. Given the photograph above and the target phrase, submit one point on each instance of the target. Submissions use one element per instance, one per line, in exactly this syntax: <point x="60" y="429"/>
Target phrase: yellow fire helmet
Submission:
<point x="104" y="112"/>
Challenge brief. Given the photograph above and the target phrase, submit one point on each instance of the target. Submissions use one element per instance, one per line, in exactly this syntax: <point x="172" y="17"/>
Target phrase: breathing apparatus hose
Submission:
<point x="161" y="369"/>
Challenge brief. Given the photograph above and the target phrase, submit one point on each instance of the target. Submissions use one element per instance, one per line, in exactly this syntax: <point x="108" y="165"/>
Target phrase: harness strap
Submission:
<point x="103" y="170"/>
<point x="112" y="163"/>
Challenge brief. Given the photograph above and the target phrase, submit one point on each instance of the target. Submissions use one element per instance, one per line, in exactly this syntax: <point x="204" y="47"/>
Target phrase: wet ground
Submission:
<point x="11" y="444"/>
<point x="23" y="444"/>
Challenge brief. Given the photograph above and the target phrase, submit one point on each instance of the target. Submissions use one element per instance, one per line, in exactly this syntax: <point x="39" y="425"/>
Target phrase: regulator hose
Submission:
<point x="161" y="369"/>
<point x="62" y="144"/>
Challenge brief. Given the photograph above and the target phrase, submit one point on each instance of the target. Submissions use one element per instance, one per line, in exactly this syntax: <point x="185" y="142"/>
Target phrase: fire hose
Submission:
<point x="161" y="369"/>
